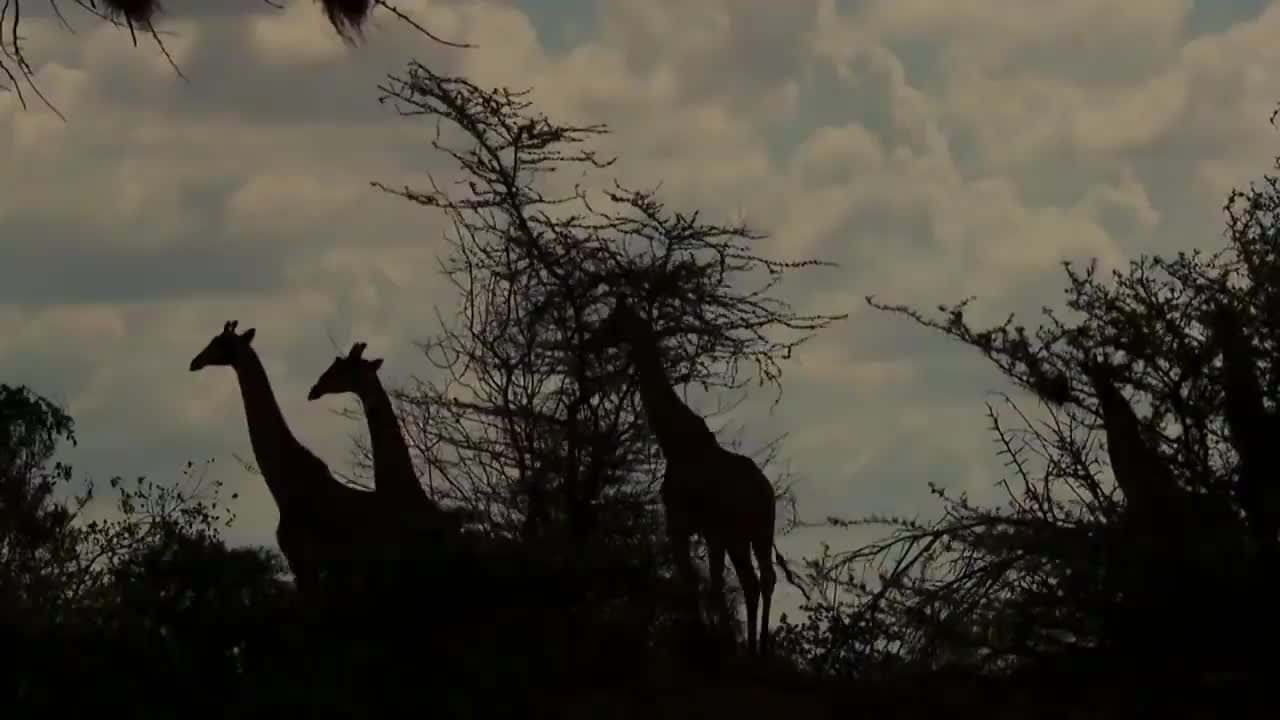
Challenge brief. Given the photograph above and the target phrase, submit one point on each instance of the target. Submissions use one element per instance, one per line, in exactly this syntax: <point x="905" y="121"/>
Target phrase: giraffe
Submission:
<point x="706" y="489"/>
<point x="410" y="516"/>
<point x="1251" y="427"/>
<point x="394" y="476"/>
<point x="1175" y="542"/>
<point x="1251" y="430"/>
<point x="1150" y="490"/>
<point x="322" y="522"/>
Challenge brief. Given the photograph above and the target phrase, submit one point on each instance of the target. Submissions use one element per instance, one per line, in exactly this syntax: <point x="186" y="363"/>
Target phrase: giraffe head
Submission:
<point x="1224" y="323"/>
<point x="622" y="325"/>
<point x="224" y="348"/>
<point x="346" y="374"/>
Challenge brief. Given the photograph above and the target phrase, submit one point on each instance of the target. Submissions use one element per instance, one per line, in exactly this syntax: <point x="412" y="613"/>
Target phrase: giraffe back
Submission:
<point x="721" y="494"/>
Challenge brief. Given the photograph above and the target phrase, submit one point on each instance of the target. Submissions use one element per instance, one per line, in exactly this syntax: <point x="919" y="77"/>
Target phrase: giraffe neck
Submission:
<point x="274" y="446"/>
<point x="393" y="470"/>
<point x="679" y="430"/>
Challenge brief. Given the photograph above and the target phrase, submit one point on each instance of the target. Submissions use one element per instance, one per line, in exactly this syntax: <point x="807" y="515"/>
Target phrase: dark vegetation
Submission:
<point x="1128" y="564"/>
<point x="1138" y="537"/>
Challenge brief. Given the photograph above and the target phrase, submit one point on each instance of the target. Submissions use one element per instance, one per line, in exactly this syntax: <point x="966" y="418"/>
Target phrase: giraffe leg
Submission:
<point x="688" y="577"/>
<point x="299" y="561"/>
<point x="678" y="543"/>
<point x="740" y="556"/>
<point x="678" y="533"/>
<point x="768" y="579"/>
<point x="715" y="566"/>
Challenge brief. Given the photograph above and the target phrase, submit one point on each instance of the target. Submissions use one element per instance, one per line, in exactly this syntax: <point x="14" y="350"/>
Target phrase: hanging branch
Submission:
<point x="348" y="18"/>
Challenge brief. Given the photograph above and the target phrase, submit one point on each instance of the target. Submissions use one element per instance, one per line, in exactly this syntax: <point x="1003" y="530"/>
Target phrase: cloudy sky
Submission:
<point x="933" y="149"/>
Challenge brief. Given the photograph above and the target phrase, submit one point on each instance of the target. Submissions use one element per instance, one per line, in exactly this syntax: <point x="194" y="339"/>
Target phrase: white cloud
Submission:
<point x="35" y="130"/>
<point x="1133" y="117"/>
<point x="290" y="201"/>
<point x="299" y="35"/>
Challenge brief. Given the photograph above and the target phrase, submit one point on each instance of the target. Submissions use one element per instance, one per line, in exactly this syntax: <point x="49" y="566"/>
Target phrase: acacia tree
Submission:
<point x="1140" y="511"/>
<point x="541" y="438"/>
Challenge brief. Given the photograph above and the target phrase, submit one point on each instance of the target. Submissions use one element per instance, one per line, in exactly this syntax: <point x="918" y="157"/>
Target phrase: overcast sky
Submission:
<point x="934" y="149"/>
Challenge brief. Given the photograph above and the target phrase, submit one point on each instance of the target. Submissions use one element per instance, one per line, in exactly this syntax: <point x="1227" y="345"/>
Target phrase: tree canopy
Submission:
<point x="1140" y="507"/>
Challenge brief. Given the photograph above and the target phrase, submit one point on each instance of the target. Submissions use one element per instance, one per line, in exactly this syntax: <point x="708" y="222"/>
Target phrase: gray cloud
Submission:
<point x="51" y="263"/>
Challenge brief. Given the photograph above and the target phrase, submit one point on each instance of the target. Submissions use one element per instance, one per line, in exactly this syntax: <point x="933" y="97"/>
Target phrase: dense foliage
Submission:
<point x="142" y="603"/>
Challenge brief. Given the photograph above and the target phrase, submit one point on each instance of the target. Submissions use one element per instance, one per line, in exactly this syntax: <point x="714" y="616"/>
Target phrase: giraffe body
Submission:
<point x="323" y="524"/>
<point x="413" y="525"/>
<point x="707" y="490"/>
<point x="395" y="479"/>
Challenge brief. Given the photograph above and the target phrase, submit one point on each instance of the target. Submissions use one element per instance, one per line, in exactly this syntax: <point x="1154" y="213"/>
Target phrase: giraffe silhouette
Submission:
<point x="1151" y="493"/>
<point x="394" y="476"/>
<point x="706" y="489"/>
<point x="1173" y="543"/>
<point x="414" y="525"/>
<point x="323" y="525"/>
<point x="1252" y="428"/>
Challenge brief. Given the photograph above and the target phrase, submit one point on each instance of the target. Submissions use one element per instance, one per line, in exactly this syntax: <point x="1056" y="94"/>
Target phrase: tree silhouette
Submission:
<point x="537" y="435"/>
<point x="37" y="543"/>
<point x="1139" y="515"/>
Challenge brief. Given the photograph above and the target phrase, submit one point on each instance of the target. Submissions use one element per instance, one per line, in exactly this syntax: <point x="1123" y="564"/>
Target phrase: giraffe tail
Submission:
<point x="788" y="574"/>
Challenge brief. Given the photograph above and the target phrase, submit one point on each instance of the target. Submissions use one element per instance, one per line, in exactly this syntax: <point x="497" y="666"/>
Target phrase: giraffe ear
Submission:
<point x="247" y="335"/>
<point x="376" y="363"/>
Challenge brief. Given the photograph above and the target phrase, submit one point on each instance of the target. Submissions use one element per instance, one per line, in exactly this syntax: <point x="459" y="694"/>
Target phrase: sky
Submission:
<point x="934" y="150"/>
